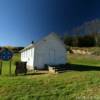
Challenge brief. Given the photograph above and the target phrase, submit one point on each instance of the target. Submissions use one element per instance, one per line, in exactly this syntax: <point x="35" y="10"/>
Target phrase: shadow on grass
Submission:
<point x="76" y="67"/>
<point x="35" y="73"/>
<point x="22" y="74"/>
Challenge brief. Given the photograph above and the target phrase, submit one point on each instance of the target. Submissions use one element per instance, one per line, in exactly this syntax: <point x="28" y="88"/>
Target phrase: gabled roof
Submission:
<point x="33" y="45"/>
<point x="27" y="47"/>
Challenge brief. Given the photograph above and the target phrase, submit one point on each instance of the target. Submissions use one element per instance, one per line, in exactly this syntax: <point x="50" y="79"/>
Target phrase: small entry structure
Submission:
<point x="20" y="68"/>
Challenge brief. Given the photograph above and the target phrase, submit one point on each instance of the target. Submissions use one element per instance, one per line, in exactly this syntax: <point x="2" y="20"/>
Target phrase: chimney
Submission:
<point x="32" y="42"/>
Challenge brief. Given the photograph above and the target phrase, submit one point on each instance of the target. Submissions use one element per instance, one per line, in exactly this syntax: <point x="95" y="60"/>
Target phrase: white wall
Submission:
<point x="23" y="56"/>
<point x="28" y="56"/>
<point x="50" y="51"/>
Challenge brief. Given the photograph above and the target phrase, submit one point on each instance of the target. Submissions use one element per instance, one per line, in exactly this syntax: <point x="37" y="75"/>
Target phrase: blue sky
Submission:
<point x="22" y="21"/>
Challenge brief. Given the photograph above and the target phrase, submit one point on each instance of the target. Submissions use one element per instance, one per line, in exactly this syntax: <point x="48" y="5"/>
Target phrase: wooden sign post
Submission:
<point x="10" y="68"/>
<point x="0" y="67"/>
<point x="0" y="61"/>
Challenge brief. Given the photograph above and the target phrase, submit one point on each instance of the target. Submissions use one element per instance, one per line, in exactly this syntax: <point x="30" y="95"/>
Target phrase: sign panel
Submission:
<point x="5" y="54"/>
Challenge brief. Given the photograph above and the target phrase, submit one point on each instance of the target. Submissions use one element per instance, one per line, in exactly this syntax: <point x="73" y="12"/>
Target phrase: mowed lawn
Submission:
<point x="70" y="85"/>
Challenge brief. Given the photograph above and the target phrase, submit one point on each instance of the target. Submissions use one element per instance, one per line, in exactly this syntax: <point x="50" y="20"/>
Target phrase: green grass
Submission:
<point x="66" y="86"/>
<point x="71" y="85"/>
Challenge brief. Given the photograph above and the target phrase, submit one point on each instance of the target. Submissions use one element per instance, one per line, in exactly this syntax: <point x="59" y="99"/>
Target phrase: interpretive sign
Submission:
<point x="5" y="54"/>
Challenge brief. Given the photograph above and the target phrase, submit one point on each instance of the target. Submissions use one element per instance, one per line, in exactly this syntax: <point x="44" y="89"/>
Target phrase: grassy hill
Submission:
<point x="91" y="60"/>
<point x="71" y="85"/>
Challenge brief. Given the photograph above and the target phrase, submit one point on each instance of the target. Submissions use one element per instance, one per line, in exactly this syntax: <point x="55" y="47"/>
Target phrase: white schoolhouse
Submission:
<point x="50" y="50"/>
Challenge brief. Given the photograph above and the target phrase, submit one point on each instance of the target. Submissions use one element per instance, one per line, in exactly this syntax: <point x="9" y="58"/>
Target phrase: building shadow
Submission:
<point x="77" y="67"/>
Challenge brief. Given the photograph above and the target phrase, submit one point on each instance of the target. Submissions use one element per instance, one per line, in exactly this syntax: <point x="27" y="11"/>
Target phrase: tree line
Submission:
<point x="13" y="49"/>
<point x="86" y="40"/>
